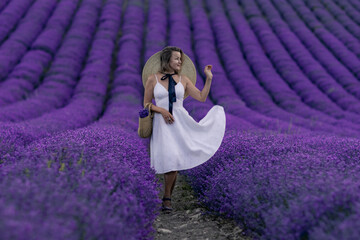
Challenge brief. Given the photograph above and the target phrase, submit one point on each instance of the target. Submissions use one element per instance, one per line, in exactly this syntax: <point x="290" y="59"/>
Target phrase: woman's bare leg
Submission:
<point x="173" y="185"/>
<point x="169" y="178"/>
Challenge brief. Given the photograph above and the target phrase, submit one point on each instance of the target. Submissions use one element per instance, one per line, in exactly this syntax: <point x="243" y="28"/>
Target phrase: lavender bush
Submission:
<point x="28" y="73"/>
<point x="89" y="183"/>
<point x="282" y="186"/>
<point x="349" y="11"/>
<point x="11" y="14"/>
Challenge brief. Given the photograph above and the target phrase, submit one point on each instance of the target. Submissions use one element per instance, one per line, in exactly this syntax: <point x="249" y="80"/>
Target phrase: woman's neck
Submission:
<point x="168" y="72"/>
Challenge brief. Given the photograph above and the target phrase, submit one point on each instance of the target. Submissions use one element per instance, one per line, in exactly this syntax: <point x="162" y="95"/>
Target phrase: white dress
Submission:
<point x="184" y="143"/>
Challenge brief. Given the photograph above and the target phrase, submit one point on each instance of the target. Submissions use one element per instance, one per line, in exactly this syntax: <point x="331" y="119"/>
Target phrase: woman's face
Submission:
<point x="175" y="61"/>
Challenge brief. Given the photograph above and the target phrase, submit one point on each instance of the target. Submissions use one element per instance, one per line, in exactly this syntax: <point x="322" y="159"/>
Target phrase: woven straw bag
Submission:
<point x="145" y="123"/>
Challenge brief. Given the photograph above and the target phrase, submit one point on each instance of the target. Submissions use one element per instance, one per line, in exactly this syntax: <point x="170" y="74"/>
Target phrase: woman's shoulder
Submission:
<point x="184" y="78"/>
<point x="151" y="79"/>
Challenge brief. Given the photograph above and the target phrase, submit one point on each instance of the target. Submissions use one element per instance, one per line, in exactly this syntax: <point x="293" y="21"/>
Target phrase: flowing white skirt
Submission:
<point x="185" y="143"/>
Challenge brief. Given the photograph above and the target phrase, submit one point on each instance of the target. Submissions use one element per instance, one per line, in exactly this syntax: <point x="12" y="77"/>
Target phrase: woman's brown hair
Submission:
<point x="165" y="56"/>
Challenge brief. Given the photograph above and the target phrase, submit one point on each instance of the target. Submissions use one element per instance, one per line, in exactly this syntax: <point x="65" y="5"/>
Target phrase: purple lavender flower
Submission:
<point x="144" y="113"/>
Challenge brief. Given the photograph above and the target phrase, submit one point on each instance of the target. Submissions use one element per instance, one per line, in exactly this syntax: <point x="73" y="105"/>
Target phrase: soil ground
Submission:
<point x="190" y="220"/>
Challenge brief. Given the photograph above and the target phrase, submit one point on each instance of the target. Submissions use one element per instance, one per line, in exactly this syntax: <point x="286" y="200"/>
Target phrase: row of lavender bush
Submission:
<point x="93" y="182"/>
<point x="349" y="38"/>
<point x="284" y="186"/>
<point x="16" y="45"/>
<point x="285" y="65"/>
<point x="71" y="116"/>
<point x="222" y="92"/>
<point x="3" y="4"/>
<point x="294" y="186"/>
<point x="349" y="11"/>
<point x="310" y="70"/>
<point x="58" y="84"/>
<point x="355" y="4"/>
<point x="10" y="16"/>
<point x="339" y="15"/>
<point x="347" y="57"/>
<point x="90" y="90"/>
<point x="280" y="92"/>
<point x="28" y="73"/>
<point x="203" y="38"/>
<point x="322" y="54"/>
<point x="286" y="118"/>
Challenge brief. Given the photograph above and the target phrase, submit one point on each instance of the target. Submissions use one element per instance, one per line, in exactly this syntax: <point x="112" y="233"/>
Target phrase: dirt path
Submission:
<point x="188" y="221"/>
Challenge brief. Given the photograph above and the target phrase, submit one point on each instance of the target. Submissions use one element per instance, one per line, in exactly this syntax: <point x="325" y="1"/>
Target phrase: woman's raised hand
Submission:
<point x="207" y="71"/>
<point x="167" y="116"/>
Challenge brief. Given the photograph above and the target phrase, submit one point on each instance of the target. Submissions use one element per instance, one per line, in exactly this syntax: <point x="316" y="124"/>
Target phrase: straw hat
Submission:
<point x="152" y="66"/>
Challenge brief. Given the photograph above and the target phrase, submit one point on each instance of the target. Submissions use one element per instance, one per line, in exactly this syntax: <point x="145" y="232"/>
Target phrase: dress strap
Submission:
<point x="156" y="78"/>
<point x="180" y="79"/>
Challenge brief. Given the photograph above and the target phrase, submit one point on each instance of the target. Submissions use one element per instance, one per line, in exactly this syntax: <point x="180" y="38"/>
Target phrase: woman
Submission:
<point x="178" y="142"/>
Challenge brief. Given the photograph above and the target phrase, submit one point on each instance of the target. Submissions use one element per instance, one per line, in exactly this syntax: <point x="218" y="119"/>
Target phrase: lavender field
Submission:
<point x="287" y="73"/>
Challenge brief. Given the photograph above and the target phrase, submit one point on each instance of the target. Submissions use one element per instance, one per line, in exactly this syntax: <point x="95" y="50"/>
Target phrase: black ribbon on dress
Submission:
<point x="172" y="94"/>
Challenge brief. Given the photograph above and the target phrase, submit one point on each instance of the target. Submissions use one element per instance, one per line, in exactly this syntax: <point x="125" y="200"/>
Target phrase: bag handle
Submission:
<point x="148" y="105"/>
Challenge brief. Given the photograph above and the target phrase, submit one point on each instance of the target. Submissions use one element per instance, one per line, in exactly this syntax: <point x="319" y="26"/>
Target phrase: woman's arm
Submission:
<point x="194" y="91"/>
